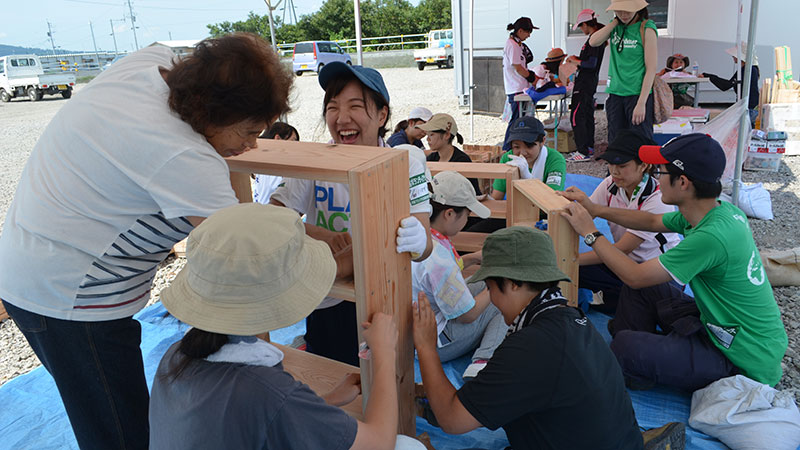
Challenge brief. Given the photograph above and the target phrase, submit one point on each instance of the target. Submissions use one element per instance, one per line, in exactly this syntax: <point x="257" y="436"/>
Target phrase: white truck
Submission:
<point x="439" y="50"/>
<point x="23" y="75"/>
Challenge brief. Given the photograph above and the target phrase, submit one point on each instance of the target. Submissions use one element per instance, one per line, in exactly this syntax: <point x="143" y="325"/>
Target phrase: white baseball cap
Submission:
<point x="453" y="189"/>
<point x="420" y="113"/>
<point x="583" y="16"/>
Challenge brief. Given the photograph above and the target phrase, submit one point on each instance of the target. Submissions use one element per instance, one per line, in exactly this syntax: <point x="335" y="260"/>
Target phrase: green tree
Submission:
<point x="432" y="15"/>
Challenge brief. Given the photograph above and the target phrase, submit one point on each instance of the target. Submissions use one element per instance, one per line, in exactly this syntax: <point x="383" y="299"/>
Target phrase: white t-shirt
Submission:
<point x="439" y="277"/>
<point x="327" y="204"/>
<point x="264" y="186"/>
<point x="512" y="54"/>
<point x="646" y="198"/>
<point x="104" y="194"/>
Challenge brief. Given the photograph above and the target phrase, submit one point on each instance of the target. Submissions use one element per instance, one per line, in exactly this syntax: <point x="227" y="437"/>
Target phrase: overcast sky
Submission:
<point x="155" y="19"/>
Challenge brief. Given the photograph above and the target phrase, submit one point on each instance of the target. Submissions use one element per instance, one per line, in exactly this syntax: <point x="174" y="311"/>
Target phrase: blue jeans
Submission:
<point x="514" y="116"/>
<point x="98" y="369"/>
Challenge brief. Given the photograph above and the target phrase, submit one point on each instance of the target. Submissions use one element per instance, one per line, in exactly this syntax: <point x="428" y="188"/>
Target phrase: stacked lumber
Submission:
<point x="484" y="154"/>
<point x="779" y="102"/>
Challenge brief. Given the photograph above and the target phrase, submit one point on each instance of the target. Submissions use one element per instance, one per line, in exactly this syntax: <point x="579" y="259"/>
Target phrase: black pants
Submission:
<point x="99" y="373"/>
<point x="599" y="278"/>
<point x="582" y="119"/>
<point x="658" y="336"/>
<point x="332" y="333"/>
<point x="619" y="112"/>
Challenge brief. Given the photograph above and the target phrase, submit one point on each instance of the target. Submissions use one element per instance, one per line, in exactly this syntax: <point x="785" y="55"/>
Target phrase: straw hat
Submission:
<point x="250" y="269"/>
<point x="555" y="54"/>
<point x="732" y="51"/>
<point x="627" y="5"/>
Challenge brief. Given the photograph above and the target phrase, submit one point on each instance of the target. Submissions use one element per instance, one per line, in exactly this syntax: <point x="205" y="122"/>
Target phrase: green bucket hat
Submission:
<point x="519" y="253"/>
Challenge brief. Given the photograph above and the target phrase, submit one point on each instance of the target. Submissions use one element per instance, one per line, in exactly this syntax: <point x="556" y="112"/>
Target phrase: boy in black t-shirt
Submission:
<point x="553" y="383"/>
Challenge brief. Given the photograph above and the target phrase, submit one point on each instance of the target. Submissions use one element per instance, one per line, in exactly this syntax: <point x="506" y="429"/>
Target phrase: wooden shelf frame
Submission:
<point x="378" y="183"/>
<point x="501" y="209"/>
<point x="532" y="196"/>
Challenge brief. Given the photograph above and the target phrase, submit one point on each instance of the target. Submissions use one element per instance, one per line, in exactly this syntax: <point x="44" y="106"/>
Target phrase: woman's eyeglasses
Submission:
<point x="657" y="173"/>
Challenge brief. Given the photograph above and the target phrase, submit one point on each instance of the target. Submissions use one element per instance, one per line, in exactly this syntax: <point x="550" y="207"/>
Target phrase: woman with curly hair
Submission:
<point x="124" y="171"/>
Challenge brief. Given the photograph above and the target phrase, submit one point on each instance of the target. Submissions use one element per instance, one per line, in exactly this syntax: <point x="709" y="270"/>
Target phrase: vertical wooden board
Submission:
<point x="565" y="241"/>
<point x="510" y="177"/>
<point x="240" y="182"/>
<point x="379" y="200"/>
<point x="523" y="211"/>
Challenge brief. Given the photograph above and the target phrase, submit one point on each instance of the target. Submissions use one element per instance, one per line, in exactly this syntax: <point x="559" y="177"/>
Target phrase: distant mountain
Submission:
<point x="15" y="50"/>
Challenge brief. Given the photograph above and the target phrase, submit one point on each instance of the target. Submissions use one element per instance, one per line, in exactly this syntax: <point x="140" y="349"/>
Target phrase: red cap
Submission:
<point x="651" y="154"/>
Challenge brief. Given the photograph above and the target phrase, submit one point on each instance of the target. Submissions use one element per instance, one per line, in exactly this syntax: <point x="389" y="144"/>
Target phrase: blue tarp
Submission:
<point x="33" y="417"/>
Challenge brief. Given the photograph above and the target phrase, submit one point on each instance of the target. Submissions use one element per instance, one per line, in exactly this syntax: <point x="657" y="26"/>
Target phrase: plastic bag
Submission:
<point x="754" y="200"/>
<point x="782" y="266"/>
<point x="746" y="414"/>
<point x="507" y="112"/>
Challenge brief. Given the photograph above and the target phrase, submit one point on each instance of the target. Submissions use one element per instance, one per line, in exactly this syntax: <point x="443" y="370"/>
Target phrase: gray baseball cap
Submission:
<point x="453" y="189"/>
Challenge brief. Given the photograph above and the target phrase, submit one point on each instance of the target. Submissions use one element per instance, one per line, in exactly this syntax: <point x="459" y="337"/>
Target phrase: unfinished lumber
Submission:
<point x="378" y="183"/>
<point x="467" y="241"/>
<point x="3" y="313"/>
<point x="532" y="197"/>
<point x="483" y="170"/>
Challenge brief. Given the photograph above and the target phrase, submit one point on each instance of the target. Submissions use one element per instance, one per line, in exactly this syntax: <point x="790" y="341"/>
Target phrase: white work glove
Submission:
<point x="411" y="237"/>
<point x="522" y="164"/>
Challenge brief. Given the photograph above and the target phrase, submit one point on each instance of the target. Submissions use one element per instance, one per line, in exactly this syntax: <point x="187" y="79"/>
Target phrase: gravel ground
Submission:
<point x="21" y="122"/>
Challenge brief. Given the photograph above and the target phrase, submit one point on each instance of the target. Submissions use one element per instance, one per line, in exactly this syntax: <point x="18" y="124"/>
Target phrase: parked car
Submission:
<point x="439" y="50"/>
<point x="22" y="75"/>
<point x="311" y="56"/>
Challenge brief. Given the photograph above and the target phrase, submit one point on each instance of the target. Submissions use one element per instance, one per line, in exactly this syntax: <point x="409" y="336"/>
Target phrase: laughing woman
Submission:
<point x="356" y="110"/>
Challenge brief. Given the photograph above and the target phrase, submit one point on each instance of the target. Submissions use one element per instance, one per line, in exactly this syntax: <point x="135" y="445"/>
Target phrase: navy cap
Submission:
<point x="368" y="76"/>
<point x="698" y="155"/>
<point x="526" y="129"/>
<point x="625" y="146"/>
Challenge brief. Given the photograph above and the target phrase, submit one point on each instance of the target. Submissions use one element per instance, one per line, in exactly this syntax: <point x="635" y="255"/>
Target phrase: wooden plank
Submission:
<point x="3" y="313"/>
<point x="307" y="160"/>
<point x="532" y="196"/>
<point x="378" y="201"/>
<point x="467" y="241"/>
<point x="320" y="374"/>
<point x="474" y="170"/>
<point x="344" y="289"/>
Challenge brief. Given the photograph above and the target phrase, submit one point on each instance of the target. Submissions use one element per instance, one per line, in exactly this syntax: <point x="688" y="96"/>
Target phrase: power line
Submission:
<point x="159" y="7"/>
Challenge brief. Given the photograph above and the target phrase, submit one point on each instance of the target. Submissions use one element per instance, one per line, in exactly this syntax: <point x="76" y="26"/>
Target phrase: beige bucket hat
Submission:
<point x="627" y="5"/>
<point x="250" y="268"/>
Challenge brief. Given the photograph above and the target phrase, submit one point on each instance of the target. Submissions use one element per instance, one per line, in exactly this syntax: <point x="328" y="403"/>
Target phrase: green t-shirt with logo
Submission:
<point x="720" y="261"/>
<point x="555" y="169"/>
<point x="626" y="65"/>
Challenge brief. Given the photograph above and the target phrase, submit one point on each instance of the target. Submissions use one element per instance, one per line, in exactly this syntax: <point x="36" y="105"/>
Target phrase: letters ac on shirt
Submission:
<point x="330" y="215"/>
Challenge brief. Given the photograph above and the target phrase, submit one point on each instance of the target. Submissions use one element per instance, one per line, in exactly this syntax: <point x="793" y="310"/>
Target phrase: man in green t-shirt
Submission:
<point x="733" y="324"/>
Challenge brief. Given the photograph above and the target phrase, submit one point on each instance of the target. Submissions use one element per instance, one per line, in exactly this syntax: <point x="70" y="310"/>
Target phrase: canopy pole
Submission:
<point x="357" y="11"/>
<point x="471" y="62"/>
<point x="744" y="121"/>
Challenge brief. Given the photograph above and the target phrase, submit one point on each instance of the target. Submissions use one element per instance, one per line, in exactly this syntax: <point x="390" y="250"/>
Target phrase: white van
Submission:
<point x="22" y="75"/>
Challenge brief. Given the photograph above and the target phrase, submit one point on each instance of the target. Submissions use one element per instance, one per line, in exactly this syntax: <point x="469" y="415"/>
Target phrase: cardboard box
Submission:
<point x="566" y="141"/>
<point x="784" y="117"/>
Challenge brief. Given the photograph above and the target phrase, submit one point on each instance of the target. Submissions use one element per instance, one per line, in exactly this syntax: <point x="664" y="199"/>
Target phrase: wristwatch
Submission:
<point x="591" y="238"/>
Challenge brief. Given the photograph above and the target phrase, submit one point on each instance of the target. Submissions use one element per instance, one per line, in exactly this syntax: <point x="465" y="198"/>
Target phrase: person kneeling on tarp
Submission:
<point x="733" y="324"/>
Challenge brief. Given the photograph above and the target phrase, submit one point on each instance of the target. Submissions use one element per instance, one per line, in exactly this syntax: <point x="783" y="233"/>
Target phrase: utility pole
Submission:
<point x="114" y="36"/>
<point x="133" y="24"/>
<point x="170" y="35"/>
<point x="271" y="22"/>
<point x="50" y="35"/>
<point x="96" y="55"/>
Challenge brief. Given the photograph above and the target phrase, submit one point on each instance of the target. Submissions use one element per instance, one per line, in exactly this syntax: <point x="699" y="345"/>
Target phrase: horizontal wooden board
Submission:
<point x="320" y="374"/>
<point x="467" y="241"/>
<point x="541" y="195"/>
<point x="475" y="170"/>
<point x="325" y="162"/>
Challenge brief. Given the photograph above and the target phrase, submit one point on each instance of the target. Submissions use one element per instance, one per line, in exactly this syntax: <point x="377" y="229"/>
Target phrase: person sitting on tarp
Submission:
<point x="661" y="335"/>
<point x="629" y="185"/>
<point x="678" y="63"/>
<point x="734" y="81"/>
<point x="552" y="383"/>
